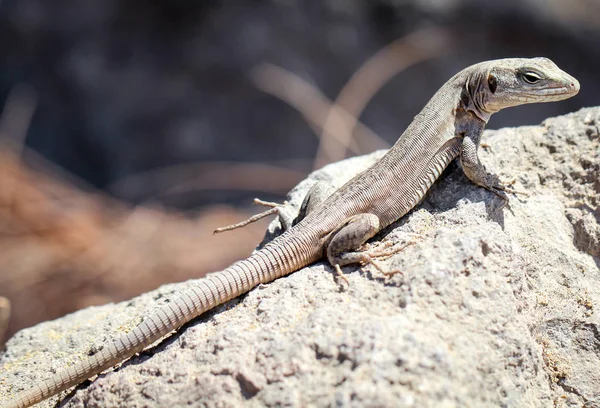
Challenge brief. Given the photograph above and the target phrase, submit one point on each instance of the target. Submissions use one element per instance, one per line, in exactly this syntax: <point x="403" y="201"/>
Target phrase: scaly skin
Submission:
<point x="448" y="127"/>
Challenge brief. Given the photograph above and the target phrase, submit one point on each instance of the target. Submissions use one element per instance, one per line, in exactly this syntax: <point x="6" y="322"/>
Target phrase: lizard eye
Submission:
<point x="531" y="77"/>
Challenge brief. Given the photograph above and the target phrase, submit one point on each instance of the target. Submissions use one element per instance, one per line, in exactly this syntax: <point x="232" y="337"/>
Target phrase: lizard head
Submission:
<point x="510" y="82"/>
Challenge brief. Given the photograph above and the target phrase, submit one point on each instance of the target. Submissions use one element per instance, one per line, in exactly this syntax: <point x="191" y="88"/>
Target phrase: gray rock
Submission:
<point x="497" y="306"/>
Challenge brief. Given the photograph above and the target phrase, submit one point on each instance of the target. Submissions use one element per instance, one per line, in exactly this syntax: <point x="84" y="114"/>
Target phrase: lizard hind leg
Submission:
<point x="318" y="193"/>
<point x="347" y="238"/>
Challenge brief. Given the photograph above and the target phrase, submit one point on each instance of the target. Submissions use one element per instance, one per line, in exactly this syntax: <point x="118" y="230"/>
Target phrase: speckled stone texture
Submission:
<point x="497" y="306"/>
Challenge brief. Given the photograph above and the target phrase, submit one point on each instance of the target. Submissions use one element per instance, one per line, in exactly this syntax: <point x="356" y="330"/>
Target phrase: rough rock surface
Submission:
<point x="497" y="307"/>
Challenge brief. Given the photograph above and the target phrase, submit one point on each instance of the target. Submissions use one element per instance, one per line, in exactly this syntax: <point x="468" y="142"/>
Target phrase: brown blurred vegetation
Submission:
<point x="62" y="249"/>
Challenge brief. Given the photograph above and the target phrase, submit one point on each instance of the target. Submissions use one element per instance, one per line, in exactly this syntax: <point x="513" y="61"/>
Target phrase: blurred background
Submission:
<point x="130" y="130"/>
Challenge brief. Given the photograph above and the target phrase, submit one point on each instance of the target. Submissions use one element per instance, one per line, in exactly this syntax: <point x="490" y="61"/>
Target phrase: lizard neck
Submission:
<point x="474" y="93"/>
<point x="435" y="124"/>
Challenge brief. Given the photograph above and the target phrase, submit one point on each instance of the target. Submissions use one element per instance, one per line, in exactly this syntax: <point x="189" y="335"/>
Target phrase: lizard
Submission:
<point x="335" y="225"/>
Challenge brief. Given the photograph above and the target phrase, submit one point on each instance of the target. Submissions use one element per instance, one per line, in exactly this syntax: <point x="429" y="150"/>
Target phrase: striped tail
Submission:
<point x="279" y="258"/>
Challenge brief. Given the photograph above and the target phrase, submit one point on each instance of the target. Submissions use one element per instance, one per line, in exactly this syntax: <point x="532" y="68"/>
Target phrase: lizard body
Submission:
<point x="449" y="126"/>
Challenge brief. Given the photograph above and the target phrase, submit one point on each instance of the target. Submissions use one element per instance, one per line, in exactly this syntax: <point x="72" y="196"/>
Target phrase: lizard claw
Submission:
<point x="386" y="274"/>
<point x="499" y="188"/>
<point x="340" y="275"/>
<point x="500" y="192"/>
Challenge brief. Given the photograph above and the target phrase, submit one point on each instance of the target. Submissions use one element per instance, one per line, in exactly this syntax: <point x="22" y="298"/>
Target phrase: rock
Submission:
<point x="497" y="306"/>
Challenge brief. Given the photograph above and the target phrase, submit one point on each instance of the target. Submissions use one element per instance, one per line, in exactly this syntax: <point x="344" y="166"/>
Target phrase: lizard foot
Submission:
<point x="340" y="275"/>
<point x="500" y="188"/>
<point x="506" y="189"/>
<point x="379" y="268"/>
<point x="387" y="248"/>
<point x="384" y="250"/>
<point x="274" y="209"/>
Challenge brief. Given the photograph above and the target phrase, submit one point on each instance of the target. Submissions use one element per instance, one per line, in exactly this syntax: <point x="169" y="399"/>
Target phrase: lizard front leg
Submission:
<point x="475" y="170"/>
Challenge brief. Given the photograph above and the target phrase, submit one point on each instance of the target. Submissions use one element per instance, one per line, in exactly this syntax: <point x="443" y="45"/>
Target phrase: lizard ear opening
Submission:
<point x="492" y="82"/>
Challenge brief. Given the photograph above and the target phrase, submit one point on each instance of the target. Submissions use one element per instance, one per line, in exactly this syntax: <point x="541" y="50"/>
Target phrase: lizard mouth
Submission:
<point x="570" y="89"/>
<point x="555" y="93"/>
